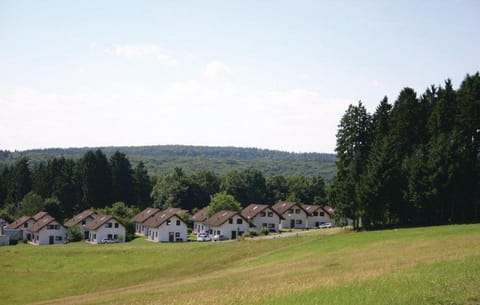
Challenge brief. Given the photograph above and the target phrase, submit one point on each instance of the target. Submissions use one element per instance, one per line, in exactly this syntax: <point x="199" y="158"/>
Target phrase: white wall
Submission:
<point x="162" y="234"/>
<point x="259" y="220"/>
<point x="199" y="228"/>
<point x="101" y="233"/>
<point x="314" y="221"/>
<point x="42" y="237"/>
<point x="227" y="228"/>
<point x="298" y="215"/>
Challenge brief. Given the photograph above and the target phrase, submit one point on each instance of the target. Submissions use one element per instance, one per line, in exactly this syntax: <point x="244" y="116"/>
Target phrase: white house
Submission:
<point x="20" y="228"/>
<point x="294" y="216"/>
<point x="82" y="220"/>
<point x="198" y="219"/>
<point x="48" y="231"/>
<point x="167" y="226"/>
<point x="262" y="216"/>
<point x="106" y="227"/>
<point x="316" y="215"/>
<point x="230" y="224"/>
<point x="141" y="218"/>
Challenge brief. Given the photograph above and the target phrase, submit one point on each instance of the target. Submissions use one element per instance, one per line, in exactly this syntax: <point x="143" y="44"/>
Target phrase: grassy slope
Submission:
<point x="438" y="265"/>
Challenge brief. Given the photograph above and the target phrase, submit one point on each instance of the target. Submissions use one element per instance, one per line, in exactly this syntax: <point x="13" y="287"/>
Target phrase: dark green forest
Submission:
<point x="162" y="159"/>
<point x="64" y="187"/>
<point x="412" y="162"/>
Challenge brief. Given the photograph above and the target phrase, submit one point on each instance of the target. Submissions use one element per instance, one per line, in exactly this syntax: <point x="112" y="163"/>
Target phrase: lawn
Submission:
<point x="435" y="265"/>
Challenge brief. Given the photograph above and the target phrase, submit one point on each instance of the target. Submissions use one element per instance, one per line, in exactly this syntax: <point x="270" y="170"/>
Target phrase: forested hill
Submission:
<point x="161" y="159"/>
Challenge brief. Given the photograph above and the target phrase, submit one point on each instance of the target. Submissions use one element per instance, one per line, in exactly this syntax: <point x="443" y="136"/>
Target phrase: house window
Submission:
<point x="110" y="236"/>
<point x="83" y="222"/>
<point x="116" y="225"/>
<point x="25" y="225"/>
<point x="108" y="225"/>
<point x="298" y="221"/>
<point x="211" y="231"/>
<point x="168" y="222"/>
<point x="50" y="227"/>
<point x="315" y="213"/>
<point x="263" y="214"/>
<point x="239" y="221"/>
<point x="178" y="222"/>
<point x="177" y="234"/>
<point x="290" y="211"/>
<point x="270" y="214"/>
<point x="56" y="227"/>
<point x="115" y="236"/>
<point x="94" y="236"/>
<point x="230" y="220"/>
<point x="218" y="232"/>
<point x="271" y="226"/>
<point x="156" y="233"/>
<point x="58" y="238"/>
<point x="297" y="211"/>
<point x="264" y="225"/>
<point x="322" y="214"/>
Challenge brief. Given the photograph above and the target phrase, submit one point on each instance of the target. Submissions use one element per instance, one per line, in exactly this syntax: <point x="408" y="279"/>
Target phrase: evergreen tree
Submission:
<point x="96" y="179"/>
<point x="142" y="186"/>
<point x="122" y="178"/>
<point x="20" y="181"/>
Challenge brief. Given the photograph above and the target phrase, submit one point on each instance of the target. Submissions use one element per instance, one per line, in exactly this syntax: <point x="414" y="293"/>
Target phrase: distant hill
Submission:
<point x="161" y="159"/>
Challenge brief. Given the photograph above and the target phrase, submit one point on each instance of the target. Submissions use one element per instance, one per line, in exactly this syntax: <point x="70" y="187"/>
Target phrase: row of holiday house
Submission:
<point x="169" y="225"/>
<point x="43" y="229"/>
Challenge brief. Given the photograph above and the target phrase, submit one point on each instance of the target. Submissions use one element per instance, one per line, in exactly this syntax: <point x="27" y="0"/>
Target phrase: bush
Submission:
<point x="265" y="231"/>
<point x="74" y="234"/>
<point x="251" y="233"/>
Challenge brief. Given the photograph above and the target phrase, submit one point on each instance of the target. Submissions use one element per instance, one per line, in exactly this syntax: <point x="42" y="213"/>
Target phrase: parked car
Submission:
<point x="203" y="237"/>
<point x="108" y="241"/>
<point x="219" y="237"/>
<point x="325" y="225"/>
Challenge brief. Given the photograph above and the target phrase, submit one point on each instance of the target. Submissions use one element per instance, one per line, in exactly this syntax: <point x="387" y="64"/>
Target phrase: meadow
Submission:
<point x="433" y="265"/>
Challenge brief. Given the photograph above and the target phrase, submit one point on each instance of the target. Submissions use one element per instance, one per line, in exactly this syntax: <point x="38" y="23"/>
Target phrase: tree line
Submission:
<point x="162" y="159"/>
<point x="64" y="187"/>
<point x="416" y="162"/>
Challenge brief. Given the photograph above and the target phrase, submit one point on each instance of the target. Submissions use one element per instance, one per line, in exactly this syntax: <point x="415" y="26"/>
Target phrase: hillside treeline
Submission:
<point x="416" y="162"/>
<point x="162" y="159"/>
<point x="64" y="187"/>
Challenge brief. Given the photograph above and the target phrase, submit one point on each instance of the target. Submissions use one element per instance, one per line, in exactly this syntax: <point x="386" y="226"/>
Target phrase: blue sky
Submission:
<point x="268" y="74"/>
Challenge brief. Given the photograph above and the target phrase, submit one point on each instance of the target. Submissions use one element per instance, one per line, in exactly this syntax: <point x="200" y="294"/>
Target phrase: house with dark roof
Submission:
<point x="20" y="228"/>
<point x="48" y="231"/>
<point x="230" y="224"/>
<point x="167" y="226"/>
<point x="198" y="219"/>
<point x="105" y="228"/>
<point x="141" y="218"/>
<point x="316" y="215"/>
<point x="82" y="220"/>
<point x="293" y="215"/>
<point x="262" y="216"/>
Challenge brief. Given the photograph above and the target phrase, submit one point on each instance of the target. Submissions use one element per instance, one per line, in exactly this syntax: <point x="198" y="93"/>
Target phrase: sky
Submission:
<point x="266" y="74"/>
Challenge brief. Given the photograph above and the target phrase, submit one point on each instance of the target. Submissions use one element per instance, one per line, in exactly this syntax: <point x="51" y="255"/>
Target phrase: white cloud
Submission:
<point x="306" y="76"/>
<point x="93" y="45"/>
<point x="196" y="112"/>
<point x="217" y="70"/>
<point x="132" y="52"/>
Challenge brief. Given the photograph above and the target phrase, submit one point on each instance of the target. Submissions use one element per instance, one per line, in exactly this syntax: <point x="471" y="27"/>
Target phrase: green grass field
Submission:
<point x="436" y="265"/>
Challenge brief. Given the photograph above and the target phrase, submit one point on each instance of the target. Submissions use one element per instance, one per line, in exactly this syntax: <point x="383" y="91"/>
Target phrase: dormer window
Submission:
<point x="315" y="213"/>
<point x="116" y="225"/>
<point x="322" y="214"/>
<point x="297" y="211"/>
<point x="263" y="214"/>
<point x="168" y="222"/>
<point x="25" y="225"/>
<point x="239" y="221"/>
<point x="290" y="211"/>
<point x="84" y="222"/>
<point x="270" y="214"/>
<point x="178" y="222"/>
<point x="230" y="220"/>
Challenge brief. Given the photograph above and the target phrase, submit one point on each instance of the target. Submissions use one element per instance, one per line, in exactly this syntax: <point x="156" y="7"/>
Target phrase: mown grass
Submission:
<point x="437" y="265"/>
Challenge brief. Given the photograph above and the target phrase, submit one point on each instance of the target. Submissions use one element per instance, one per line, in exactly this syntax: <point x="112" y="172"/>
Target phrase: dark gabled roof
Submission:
<point x="282" y="206"/>
<point x="99" y="221"/>
<point x="330" y="210"/>
<point x="78" y="218"/>
<point x="44" y="221"/>
<point x="145" y="214"/>
<point x="313" y="208"/>
<point x="163" y="216"/>
<point x="254" y="209"/>
<point x="201" y="215"/>
<point x="17" y="223"/>
<point x="221" y="217"/>
<point x="39" y="215"/>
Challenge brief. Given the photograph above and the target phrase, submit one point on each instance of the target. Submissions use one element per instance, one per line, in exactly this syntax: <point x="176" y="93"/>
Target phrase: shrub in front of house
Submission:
<point x="74" y="234"/>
